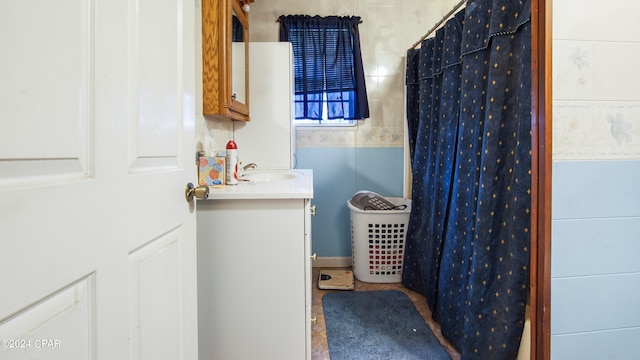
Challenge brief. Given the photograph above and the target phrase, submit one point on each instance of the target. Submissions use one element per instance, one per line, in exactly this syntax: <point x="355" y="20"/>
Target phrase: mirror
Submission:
<point x="239" y="45"/>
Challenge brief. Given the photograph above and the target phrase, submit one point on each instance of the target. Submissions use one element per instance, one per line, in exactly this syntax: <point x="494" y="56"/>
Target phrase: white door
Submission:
<point x="97" y="243"/>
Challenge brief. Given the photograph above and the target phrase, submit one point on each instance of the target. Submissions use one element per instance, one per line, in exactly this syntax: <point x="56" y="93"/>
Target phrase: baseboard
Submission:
<point x="328" y="262"/>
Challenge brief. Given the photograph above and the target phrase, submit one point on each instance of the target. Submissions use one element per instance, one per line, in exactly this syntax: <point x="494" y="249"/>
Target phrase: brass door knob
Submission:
<point x="199" y="192"/>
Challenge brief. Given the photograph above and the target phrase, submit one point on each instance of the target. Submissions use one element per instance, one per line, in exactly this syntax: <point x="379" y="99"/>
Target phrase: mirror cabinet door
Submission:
<point x="225" y="44"/>
<point x="239" y="60"/>
<point x="238" y="66"/>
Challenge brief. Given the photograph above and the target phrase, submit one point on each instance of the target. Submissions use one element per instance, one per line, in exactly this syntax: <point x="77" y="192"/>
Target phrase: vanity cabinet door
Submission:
<point x="253" y="279"/>
<point x="307" y="276"/>
<point x="225" y="54"/>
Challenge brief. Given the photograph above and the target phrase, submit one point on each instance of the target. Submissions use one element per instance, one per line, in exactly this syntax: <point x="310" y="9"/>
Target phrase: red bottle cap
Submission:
<point x="231" y="145"/>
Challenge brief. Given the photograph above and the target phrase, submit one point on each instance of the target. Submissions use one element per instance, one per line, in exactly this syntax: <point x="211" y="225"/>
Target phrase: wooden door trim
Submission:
<point x="540" y="265"/>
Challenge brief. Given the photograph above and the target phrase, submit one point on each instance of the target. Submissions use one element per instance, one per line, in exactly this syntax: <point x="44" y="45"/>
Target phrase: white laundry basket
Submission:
<point x="378" y="242"/>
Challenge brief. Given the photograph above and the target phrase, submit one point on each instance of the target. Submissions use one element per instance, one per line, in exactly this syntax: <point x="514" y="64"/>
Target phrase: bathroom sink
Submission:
<point x="269" y="175"/>
<point x="261" y="184"/>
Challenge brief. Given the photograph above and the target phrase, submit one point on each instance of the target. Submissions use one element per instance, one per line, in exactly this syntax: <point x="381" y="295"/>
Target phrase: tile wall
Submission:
<point x="596" y="196"/>
<point x="596" y="99"/>
<point x="388" y="29"/>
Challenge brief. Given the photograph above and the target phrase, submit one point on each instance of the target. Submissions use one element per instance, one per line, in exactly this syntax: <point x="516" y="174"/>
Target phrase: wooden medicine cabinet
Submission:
<point x="225" y="59"/>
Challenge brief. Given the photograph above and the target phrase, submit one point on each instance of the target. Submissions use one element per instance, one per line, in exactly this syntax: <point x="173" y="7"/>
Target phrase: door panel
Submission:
<point x="70" y="311"/>
<point x="155" y="298"/>
<point x="44" y="80"/>
<point x="97" y="243"/>
<point x="154" y="137"/>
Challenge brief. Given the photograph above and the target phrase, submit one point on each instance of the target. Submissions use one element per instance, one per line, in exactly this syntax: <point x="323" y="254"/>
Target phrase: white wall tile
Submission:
<point x="596" y="20"/>
<point x="596" y="130"/>
<point x="617" y="75"/>
<point x="573" y="70"/>
<point x="592" y="70"/>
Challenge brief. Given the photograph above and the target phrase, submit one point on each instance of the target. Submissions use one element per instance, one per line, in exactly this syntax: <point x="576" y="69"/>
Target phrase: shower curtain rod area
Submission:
<point x="437" y="25"/>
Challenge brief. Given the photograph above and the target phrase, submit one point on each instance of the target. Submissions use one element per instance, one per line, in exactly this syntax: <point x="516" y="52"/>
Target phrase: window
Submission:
<point x="329" y="77"/>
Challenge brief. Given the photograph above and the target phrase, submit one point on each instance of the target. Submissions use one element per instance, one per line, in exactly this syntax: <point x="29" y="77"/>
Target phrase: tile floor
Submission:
<point x="319" y="348"/>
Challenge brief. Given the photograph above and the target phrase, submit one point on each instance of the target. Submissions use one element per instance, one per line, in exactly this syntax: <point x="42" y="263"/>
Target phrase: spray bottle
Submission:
<point x="232" y="163"/>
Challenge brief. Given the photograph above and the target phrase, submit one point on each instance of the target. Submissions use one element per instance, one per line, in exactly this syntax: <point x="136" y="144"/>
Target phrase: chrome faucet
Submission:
<point x="249" y="166"/>
<point x="243" y="169"/>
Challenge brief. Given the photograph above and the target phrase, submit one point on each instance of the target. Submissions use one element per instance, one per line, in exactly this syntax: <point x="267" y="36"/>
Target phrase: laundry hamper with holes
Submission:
<point x="378" y="242"/>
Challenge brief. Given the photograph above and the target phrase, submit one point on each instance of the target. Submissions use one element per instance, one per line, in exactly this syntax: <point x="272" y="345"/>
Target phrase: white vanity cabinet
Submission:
<point x="254" y="278"/>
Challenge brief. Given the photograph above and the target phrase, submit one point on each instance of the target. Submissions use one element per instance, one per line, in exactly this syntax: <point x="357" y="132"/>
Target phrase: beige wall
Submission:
<point x="389" y="28"/>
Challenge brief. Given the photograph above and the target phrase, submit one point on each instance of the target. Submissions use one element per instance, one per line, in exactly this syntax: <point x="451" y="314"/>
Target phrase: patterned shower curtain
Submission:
<point x="469" y="111"/>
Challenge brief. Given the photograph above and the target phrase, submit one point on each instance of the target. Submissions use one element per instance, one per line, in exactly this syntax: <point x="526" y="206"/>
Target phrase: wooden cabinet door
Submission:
<point x="218" y="94"/>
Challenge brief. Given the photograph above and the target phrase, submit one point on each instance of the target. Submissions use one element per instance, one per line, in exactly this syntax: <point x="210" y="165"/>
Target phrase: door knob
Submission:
<point x="199" y="192"/>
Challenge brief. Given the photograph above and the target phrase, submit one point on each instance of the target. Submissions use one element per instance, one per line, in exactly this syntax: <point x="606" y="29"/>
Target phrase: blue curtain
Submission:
<point x="469" y="120"/>
<point x="237" y="30"/>
<point x="327" y="66"/>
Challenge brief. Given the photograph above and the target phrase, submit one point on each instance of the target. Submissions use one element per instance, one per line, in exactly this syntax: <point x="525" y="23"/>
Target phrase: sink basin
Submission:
<point x="263" y="184"/>
<point x="269" y="175"/>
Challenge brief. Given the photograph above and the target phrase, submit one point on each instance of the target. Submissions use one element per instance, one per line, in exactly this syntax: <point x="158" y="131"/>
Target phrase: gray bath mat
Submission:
<point x="377" y="325"/>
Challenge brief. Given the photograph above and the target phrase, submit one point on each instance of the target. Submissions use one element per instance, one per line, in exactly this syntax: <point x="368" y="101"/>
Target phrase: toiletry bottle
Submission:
<point x="232" y="163"/>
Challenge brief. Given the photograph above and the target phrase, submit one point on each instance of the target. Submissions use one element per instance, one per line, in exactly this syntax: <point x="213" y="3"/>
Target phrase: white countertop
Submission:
<point x="300" y="187"/>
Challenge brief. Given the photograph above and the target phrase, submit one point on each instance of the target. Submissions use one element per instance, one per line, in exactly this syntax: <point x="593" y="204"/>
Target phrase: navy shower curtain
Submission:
<point x="469" y="111"/>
